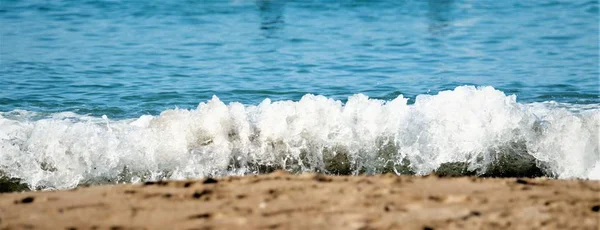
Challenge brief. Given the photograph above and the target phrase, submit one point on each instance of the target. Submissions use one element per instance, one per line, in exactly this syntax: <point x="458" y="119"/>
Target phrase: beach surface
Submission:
<point x="311" y="201"/>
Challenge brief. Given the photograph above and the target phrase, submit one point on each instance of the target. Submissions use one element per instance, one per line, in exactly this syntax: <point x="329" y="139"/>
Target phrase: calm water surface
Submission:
<point x="130" y="58"/>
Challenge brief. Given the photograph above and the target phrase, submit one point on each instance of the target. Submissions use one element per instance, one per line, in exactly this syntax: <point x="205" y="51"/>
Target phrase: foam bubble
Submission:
<point x="479" y="126"/>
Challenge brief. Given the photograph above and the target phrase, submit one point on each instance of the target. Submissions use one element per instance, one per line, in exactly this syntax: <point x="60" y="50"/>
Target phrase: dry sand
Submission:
<point x="284" y="201"/>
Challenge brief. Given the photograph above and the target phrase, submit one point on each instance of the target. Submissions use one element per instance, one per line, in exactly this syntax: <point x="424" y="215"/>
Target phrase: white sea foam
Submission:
<point x="467" y="124"/>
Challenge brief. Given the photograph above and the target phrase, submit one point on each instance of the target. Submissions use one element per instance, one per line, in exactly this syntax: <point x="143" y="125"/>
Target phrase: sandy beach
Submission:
<point x="310" y="201"/>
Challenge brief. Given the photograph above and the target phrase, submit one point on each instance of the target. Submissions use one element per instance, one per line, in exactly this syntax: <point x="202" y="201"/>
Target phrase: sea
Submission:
<point x="116" y="91"/>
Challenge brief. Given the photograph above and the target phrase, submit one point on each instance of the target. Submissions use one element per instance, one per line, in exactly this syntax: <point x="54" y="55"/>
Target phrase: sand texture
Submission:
<point x="283" y="201"/>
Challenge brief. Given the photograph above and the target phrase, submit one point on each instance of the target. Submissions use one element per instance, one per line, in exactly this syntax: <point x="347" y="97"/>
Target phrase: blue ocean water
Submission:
<point x="130" y="58"/>
<point x="94" y="91"/>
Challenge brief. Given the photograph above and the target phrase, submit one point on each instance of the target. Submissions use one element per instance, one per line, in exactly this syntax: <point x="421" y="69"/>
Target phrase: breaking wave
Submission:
<point x="473" y="130"/>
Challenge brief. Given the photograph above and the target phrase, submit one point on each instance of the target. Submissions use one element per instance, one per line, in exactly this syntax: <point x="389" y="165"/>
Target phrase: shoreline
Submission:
<point x="312" y="201"/>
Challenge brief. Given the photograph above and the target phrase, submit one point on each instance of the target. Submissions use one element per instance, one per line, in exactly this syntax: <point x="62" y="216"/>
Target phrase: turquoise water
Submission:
<point x="130" y="58"/>
<point x="96" y="91"/>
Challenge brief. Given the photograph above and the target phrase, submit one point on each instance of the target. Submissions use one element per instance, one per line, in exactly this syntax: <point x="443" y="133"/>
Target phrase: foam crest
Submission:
<point x="482" y="128"/>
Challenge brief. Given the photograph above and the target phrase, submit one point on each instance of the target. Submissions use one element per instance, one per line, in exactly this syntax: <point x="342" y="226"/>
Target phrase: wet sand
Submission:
<point x="283" y="201"/>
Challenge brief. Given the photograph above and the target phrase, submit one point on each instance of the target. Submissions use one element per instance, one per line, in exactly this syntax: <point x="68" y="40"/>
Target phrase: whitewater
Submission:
<point x="480" y="127"/>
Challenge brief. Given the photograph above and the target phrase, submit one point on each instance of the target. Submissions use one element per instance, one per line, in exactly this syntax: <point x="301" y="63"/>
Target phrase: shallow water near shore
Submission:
<point x="126" y="91"/>
<point x="489" y="132"/>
